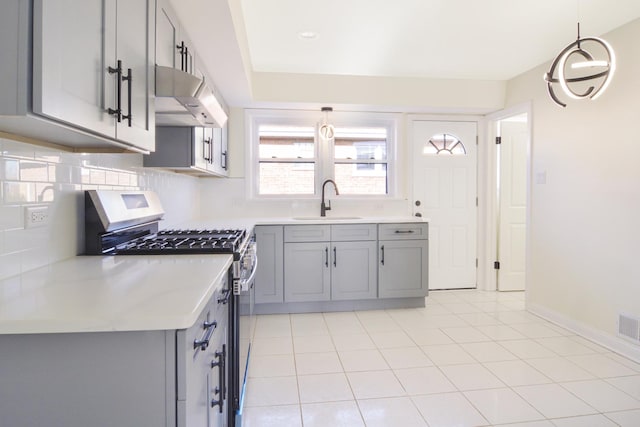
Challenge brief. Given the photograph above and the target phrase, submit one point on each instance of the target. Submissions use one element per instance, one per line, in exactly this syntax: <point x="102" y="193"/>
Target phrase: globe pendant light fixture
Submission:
<point x="326" y="130"/>
<point x="578" y="72"/>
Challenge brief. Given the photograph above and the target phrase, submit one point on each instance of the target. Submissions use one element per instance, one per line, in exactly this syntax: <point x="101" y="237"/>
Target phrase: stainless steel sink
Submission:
<point x="324" y="218"/>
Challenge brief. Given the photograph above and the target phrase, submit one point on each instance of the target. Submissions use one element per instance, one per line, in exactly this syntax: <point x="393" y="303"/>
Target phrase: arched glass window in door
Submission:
<point x="444" y="144"/>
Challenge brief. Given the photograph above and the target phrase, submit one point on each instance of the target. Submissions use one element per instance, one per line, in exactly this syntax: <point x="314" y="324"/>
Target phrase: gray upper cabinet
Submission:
<point x="193" y="150"/>
<point x="77" y="85"/>
<point x="403" y="260"/>
<point x="204" y="151"/>
<point x="167" y="30"/>
<point x="270" y="275"/>
<point x="173" y="47"/>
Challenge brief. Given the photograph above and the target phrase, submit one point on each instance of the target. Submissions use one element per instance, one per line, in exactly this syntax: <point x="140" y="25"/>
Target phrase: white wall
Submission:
<point x="584" y="232"/>
<point x="31" y="175"/>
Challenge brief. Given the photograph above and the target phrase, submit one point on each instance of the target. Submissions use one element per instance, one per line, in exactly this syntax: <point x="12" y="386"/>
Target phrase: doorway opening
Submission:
<point x="511" y="133"/>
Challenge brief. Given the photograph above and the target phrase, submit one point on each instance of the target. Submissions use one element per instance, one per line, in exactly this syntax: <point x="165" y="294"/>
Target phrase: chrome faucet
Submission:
<point x="324" y="207"/>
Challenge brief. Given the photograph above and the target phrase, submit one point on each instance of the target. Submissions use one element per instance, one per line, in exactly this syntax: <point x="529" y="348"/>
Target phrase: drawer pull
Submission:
<point x="404" y="231"/>
<point x="203" y="343"/>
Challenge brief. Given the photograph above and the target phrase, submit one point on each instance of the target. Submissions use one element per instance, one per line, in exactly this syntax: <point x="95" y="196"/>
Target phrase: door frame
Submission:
<point x="490" y="209"/>
<point x="481" y="174"/>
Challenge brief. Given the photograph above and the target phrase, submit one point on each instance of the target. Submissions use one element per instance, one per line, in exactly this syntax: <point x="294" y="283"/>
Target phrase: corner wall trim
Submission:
<point x="611" y="342"/>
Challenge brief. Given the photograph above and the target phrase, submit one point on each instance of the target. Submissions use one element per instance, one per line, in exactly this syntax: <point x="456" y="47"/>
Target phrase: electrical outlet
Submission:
<point x="36" y="216"/>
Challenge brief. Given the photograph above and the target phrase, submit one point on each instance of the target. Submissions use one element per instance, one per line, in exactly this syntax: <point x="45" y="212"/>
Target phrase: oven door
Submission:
<point x="245" y="299"/>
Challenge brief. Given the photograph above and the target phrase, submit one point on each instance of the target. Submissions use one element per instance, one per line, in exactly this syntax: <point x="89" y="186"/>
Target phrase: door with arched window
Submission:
<point x="444" y="156"/>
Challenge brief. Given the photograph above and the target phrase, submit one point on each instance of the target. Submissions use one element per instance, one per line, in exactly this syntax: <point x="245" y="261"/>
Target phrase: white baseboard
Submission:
<point x="614" y="343"/>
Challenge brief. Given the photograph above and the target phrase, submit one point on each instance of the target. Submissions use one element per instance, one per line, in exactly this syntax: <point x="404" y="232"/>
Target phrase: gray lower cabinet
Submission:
<point x="403" y="260"/>
<point x="353" y="270"/>
<point x="135" y="378"/>
<point x="307" y="275"/>
<point x="269" y="283"/>
<point x="342" y="264"/>
<point x="330" y="262"/>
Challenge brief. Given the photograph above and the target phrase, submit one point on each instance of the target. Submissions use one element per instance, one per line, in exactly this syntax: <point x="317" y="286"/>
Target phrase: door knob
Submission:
<point x="418" y="203"/>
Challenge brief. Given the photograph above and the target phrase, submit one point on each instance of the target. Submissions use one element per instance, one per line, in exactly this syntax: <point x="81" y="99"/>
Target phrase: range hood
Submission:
<point x="183" y="99"/>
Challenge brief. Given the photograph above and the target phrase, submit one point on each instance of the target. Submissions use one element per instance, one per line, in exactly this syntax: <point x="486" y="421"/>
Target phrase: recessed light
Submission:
<point x="308" y="35"/>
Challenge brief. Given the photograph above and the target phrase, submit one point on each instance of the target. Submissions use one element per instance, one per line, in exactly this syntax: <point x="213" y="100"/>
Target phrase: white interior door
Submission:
<point x="512" y="195"/>
<point x="444" y="191"/>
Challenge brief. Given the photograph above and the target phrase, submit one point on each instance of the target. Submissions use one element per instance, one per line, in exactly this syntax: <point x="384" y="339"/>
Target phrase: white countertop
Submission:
<point x="249" y="223"/>
<point x="111" y="293"/>
<point x="337" y="219"/>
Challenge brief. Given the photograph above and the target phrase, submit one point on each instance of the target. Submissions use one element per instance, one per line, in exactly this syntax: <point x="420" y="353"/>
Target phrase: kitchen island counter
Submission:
<point x="111" y="293"/>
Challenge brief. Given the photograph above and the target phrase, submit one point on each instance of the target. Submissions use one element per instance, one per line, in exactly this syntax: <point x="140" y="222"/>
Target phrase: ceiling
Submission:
<point x="434" y="39"/>
<point x="467" y="39"/>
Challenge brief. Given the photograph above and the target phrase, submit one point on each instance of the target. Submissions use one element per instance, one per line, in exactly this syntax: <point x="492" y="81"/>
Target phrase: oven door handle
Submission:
<point x="244" y="283"/>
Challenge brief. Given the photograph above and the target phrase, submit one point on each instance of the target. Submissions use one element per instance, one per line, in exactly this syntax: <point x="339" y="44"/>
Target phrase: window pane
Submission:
<point x="444" y="144"/>
<point x="286" y="142"/>
<point x="361" y="143"/>
<point x="361" y="178"/>
<point x="287" y="178"/>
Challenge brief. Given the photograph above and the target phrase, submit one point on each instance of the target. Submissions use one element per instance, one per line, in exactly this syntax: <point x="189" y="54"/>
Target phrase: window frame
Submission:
<point x="324" y="152"/>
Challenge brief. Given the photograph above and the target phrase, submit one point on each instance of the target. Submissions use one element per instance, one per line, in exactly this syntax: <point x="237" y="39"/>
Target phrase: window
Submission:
<point x="444" y="144"/>
<point x="360" y="160"/>
<point x="288" y="158"/>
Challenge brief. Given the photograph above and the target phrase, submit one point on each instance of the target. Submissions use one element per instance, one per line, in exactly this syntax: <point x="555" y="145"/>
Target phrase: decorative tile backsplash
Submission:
<point x="35" y="176"/>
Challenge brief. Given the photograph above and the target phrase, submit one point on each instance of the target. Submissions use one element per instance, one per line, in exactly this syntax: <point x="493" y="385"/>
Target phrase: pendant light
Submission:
<point x="580" y="56"/>
<point x="326" y="129"/>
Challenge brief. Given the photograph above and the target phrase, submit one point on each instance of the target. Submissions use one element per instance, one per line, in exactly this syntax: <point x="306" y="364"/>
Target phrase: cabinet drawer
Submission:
<point x="353" y="232"/>
<point x="307" y="233"/>
<point x="403" y="231"/>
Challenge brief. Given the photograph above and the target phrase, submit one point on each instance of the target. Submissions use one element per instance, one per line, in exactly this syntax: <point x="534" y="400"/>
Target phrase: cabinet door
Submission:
<point x="70" y="79"/>
<point x="134" y="38"/>
<point x="307" y="274"/>
<point x="269" y="282"/>
<point x="167" y="54"/>
<point x="403" y="268"/>
<point x="216" y="152"/>
<point x="353" y="270"/>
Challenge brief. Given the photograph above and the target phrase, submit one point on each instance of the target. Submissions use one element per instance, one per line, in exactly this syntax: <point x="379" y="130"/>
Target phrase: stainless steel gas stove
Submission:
<point x="127" y="223"/>
<point x="185" y="241"/>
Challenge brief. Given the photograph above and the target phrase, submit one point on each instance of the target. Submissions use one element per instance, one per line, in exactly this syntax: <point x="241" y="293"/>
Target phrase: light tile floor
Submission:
<point x="469" y="358"/>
